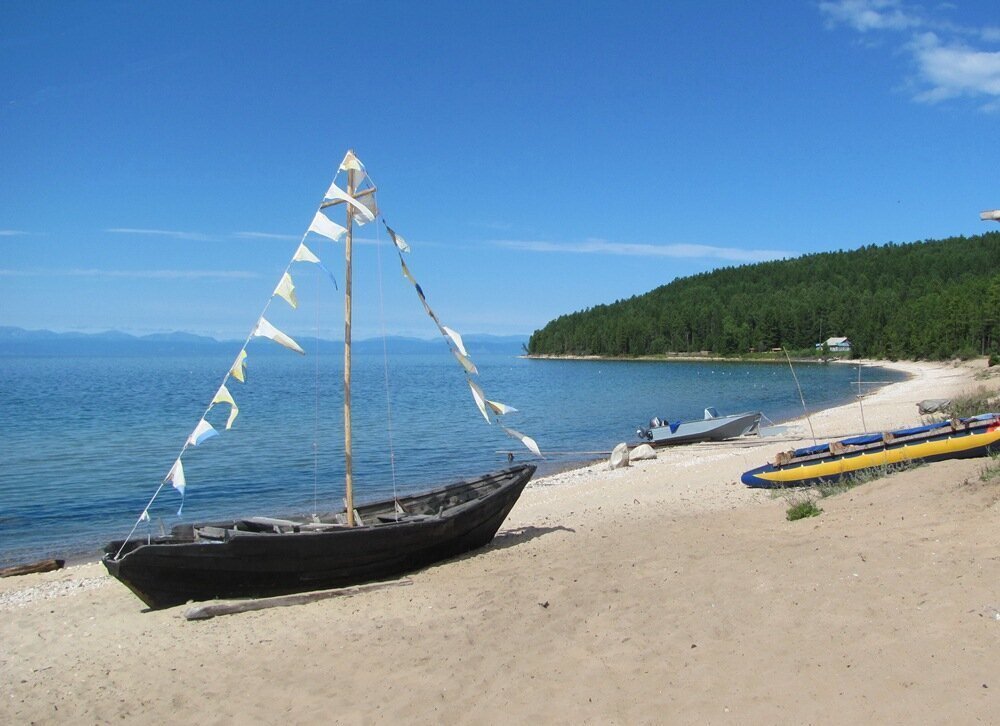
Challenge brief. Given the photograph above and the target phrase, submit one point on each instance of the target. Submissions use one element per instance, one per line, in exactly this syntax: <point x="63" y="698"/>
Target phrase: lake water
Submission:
<point x="86" y="441"/>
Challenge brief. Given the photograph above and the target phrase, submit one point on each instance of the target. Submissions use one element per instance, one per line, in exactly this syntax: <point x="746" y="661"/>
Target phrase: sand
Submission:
<point x="662" y="593"/>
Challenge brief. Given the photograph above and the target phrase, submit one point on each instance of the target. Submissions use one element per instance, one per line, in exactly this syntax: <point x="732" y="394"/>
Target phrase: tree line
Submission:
<point x="930" y="300"/>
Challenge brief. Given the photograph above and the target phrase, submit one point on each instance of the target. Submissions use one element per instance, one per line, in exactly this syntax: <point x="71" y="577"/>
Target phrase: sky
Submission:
<point x="159" y="162"/>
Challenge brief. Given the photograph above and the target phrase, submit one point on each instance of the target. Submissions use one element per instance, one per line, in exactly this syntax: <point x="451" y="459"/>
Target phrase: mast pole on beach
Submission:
<point x="348" y="454"/>
<point x="352" y="186"/>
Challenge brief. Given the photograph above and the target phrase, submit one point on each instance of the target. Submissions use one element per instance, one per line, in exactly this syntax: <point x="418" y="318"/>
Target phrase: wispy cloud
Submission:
<point x="135" y="274"/>
<point x="11" y="233"/>
<point x="630" y="249"/>
<point x="171" y="233"/>
<point x="947" y="58"/>
<point x="265" y="235"/>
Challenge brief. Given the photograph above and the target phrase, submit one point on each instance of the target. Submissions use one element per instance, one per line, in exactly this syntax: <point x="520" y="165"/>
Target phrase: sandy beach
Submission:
<point x="666" y="592"/>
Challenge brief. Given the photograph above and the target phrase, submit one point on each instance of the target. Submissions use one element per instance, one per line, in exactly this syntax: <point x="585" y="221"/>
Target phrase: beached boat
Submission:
<point x="825" y="463"/>
<point x="263" y="556"/>
<point x="712" y="427"/>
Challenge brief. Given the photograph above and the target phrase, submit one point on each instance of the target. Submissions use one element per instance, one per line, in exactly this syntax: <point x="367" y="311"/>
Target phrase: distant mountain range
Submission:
<point x="20" y="342"/>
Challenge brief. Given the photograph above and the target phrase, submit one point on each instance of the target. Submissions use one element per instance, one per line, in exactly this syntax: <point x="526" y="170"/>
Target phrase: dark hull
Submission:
<point x="828" y="463"/>
<point x="445" y="522"/>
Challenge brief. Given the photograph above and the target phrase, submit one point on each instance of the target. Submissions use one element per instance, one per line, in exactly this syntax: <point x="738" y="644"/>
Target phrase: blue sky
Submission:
<point x="160" y="161"/>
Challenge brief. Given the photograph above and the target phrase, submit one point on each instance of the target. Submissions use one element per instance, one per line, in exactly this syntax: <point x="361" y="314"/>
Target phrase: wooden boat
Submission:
<point x="261" y="556"/>
<point x="264" y="556"/>
<point x="712" y="427"/>
<point x="825" y="463"/>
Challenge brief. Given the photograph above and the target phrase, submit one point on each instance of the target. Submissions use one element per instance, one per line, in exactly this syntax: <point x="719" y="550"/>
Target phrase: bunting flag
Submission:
<point x="406" y="272"/>
<point x="335" y="192"/>
<point x="304" y="254"/>
<point x="239" y="369"/>
<point x="144" y="517"/>
<point x="480" y="399"/>
<point x="371" y="204"/>
<point x="265" y="330"/>
<point x="465" y="362"/>
<point x="526" y="440"/>
<point x="498" y="408"/>
<point x="286" y="290"/>
<point x="455" y="338"/>
<point x="204" y="430"/>
<point x="176" y="476"/>
<point x="352" y="163"/>
<point x="322" y="224"/>
<point x="224" y="396"/>
<point x="397" y="239"/>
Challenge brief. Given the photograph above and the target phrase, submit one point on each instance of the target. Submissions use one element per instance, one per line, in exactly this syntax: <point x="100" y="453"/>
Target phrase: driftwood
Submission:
<point x="204" y="612"/>
<point x="40" y="566"/>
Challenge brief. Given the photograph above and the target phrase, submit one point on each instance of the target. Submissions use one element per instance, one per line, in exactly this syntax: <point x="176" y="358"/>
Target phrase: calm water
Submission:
<point x="86" y="441"/>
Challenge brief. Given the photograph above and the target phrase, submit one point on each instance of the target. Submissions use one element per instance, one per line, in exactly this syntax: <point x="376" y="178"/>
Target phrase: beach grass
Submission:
<point x="802" y="509"/>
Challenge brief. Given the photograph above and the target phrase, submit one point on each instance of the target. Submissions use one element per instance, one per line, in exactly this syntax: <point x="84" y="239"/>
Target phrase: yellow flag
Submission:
<point x="224" y="396"/>
<point x="286" y="290"/>
<point x="239" y="369"/>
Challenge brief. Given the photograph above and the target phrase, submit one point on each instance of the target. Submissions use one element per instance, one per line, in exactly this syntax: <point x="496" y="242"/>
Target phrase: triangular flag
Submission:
<point x="526" y="440"/>
<point x="224" y="396"/>
<point x="304" y="254"/>
<point x="480" y="399"/>
<point x="204" y="430"/>
<point x="321" y="224"/>
<point x="265" y="330"/>
<point x="144" y="517"/>
<point x="239" y="369"/>
<point x="466" y="363"/>
<point x="335" y="192"/>
<point x="397" y="239"/>
<point x="455" y="338"/>
<point x="371" y="204"/>
<point x="406" y="271"/>
<point x="176" y="476"/>
<point x="286" y="290"/>
<point x="498" y="408"/>
<point x="351" y="163"/>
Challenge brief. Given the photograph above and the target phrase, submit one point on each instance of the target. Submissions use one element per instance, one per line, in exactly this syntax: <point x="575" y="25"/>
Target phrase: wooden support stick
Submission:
<point x="40" y="566"/>
<point x="204" y="612"/>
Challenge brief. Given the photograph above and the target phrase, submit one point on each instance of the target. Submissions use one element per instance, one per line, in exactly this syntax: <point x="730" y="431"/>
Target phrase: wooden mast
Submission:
<point x="348" y="453"/>
<point x="352" y="185"/>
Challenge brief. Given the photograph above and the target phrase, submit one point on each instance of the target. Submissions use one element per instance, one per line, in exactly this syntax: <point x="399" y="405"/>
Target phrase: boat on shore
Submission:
<point x="266" y="556"/>
<point x="829" y="462"/>
<point x="712" y="427"/>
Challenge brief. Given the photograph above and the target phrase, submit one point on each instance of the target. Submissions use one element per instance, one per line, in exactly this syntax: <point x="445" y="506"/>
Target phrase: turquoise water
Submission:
<point x="86" y="441"/>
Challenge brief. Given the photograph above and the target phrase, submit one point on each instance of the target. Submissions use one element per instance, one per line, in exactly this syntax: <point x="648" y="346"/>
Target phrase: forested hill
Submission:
<point x="931" y="299"/>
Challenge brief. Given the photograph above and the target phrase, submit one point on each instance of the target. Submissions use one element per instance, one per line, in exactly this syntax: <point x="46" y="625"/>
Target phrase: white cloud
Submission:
<point x="11" y="233"/>
<point x="628" y="249"/>
<point x="265" y="235"/>
<point x="866" y="15"/>
<point x="955" y="70"/>
<point x="174" y="234"/>
<point x="135" y="274"/>
<point x="946" y="62"/>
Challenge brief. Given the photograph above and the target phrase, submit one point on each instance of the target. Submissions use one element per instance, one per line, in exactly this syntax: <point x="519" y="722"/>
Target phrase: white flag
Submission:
<point x="286" y="290"/>
<point x="499" y="408"/>
<point x="304" y="254"/>
<point x="204" y="430"/>
<point x="351" y="163"/>
<point x="526" y="440"/>
<point x="455" y="338"/>
<point x="224" y="396"/>
<point x="321" y="224"/>
<point x="335" y="192"/>
<point x="480" y="399"/>
<point x="239" y="369"/>
<point x="397" y="239"/>
<point x="176" y="476"/>
<point x="265" y="330"/>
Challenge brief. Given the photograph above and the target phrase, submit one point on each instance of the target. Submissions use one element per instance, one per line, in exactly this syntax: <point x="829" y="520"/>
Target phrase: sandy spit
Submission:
<point x="662" y="593"/>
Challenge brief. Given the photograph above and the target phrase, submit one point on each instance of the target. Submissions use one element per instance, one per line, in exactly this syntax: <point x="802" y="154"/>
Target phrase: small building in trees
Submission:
<point x="835" y="345"/>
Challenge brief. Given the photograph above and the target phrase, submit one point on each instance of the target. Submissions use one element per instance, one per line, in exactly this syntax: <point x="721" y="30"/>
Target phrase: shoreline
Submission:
<point x="619" y="596"/>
